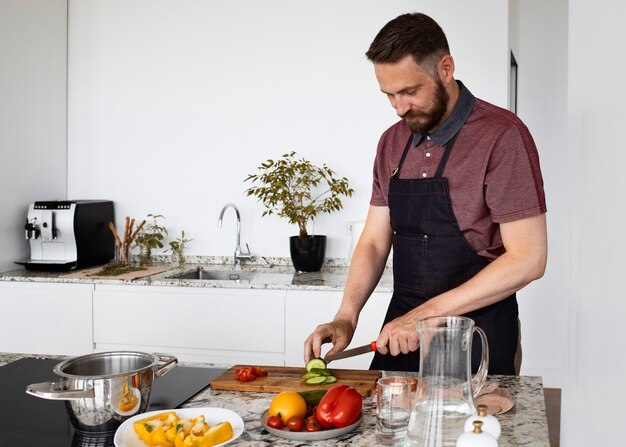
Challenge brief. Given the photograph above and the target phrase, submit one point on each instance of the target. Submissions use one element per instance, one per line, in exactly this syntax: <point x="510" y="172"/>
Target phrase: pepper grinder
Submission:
<point x="476" y="438"/>
<point x="490" y="423"/>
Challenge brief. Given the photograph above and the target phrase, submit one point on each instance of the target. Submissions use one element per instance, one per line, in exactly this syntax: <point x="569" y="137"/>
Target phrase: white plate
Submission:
<point x="125" y="435"/>
<point x="308" y="435"/>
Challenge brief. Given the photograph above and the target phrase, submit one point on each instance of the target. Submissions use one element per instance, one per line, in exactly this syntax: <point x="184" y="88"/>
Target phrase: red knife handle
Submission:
<point x="373" y="345"/>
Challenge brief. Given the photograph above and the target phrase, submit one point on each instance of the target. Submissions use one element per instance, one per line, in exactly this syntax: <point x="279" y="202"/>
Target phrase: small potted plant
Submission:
<point x="150" y="237"/>
<point x="298" y="190"/>
<point x="177" y="247"/>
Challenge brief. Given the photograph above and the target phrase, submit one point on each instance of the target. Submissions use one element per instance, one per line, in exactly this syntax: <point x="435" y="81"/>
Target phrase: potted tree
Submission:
<point x="298" y="190"/>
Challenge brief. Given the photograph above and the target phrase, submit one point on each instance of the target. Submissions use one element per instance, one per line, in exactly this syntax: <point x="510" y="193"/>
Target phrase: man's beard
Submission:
<point x="424" y="121"/>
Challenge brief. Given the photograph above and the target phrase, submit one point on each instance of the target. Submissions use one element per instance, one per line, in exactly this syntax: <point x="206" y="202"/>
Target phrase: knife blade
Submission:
<point x="351" y="352"/>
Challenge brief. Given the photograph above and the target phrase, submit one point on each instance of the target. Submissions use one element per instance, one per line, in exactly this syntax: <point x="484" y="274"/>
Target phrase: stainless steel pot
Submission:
<point x="104" y="389"/>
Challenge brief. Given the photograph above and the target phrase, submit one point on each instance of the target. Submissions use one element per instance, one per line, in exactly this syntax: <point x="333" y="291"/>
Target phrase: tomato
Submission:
<point x="340" y="407"/>
<point x="295" y="423"/>
<point x="287" y="404"/>
<point x="312" y="424"/>
<point x="275" y="422"/>
<point x="245" y="375"/>
<point x="249" y="373"/>
<point x="258" y="371"/>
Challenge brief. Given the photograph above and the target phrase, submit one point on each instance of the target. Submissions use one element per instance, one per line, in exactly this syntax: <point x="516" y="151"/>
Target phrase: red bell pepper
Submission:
<point x="340" y="407"/>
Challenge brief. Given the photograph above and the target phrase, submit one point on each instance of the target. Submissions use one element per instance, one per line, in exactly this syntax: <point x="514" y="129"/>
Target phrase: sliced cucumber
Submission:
<point x="330" y="379"/>
<point x="315" y="363"/>
<point x="316" y="380"/>
<point x="310" y="375"/>
<point x="320" y="372"/>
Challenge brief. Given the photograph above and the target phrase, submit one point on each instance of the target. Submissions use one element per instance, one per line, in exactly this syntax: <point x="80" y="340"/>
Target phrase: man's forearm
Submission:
<point x="524" y="261"/>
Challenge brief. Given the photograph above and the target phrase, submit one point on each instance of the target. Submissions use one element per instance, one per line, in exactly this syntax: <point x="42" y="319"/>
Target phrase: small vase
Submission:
<point x="145" y="256"/>
<point x="121" y="256"/>
<point x="179" y="259"/>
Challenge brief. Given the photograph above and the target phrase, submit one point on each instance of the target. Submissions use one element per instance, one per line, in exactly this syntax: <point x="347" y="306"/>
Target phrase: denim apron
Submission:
<point x="432" y="256"/>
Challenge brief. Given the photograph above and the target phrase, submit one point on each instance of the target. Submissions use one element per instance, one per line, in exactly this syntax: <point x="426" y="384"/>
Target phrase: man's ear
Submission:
<point x="446" y="69"/>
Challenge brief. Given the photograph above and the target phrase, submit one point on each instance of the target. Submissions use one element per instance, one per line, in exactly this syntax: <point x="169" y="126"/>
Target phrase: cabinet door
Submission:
<point x="46" y="318"/>
<point x="197" y="324"/>
<point x="306" y="309"/>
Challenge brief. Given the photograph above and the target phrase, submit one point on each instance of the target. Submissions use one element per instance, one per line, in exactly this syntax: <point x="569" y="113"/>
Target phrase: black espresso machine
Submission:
<point x="68" y="234"/>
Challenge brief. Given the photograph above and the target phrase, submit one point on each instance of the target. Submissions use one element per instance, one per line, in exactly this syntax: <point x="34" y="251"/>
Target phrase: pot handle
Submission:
<point x="54" y="391"/>
<point x="170" y="364"/>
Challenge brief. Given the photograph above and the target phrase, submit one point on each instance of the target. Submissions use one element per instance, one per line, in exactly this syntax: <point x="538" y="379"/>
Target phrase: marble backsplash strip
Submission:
<point x="262" y="261"/>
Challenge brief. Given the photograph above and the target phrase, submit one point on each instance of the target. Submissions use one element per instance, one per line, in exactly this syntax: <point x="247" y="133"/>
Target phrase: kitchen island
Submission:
<point x="524" y="425"/>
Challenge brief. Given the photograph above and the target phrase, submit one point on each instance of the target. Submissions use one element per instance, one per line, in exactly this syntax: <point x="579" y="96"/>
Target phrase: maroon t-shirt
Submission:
<point x="493" y="171"/>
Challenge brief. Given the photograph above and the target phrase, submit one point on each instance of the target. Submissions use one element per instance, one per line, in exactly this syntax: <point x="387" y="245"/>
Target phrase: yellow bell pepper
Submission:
<point x="216" y="435"/>
<point x="190" y="441"/>
<point x="143" y="433"/>
<point x="179" y="441"/>
<point x="159" y="438"/>
<point x="170" y="434"/>
<point x="147" y="428"/>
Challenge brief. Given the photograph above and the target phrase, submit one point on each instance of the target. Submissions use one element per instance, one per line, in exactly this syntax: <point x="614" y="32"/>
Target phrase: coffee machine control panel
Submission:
<point x="56" y="205"/>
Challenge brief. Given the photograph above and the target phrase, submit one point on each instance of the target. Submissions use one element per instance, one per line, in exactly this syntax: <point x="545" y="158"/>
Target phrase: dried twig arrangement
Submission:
<point x="123" y="245"/>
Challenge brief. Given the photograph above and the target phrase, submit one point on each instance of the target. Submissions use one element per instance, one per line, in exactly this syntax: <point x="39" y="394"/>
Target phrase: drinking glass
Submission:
<point x="393" y="409"/>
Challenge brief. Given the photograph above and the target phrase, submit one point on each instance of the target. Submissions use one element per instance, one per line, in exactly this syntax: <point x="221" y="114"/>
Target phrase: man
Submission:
<point x="457" y="193"/>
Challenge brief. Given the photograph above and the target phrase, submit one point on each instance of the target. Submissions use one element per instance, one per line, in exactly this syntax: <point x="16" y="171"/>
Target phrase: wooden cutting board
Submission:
<point x="287" y="378"/>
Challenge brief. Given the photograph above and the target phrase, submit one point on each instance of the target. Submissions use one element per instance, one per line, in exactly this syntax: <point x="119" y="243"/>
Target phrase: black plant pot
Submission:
<point x="307" y="254"/>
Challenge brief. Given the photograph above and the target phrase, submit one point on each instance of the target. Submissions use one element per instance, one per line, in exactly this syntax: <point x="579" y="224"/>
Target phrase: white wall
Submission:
<point x="539" y="43"/>
<point x="173" y="103"/>
<point x="33" y="54"/>
<point x="594" y="366"/>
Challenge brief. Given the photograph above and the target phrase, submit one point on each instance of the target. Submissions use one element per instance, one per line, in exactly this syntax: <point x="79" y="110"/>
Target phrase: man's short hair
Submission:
<point x="414" y="34"/>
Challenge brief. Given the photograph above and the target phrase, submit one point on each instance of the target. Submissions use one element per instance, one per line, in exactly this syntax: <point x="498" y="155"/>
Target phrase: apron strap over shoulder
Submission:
<point x="445" y="156"/>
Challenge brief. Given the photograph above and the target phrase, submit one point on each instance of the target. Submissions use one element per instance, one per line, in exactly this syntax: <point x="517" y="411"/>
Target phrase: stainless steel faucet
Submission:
<point x="239" y="255"/>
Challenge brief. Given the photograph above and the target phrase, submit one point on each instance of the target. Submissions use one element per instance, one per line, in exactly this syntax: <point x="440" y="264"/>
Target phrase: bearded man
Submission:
<point x="457" y="193"/>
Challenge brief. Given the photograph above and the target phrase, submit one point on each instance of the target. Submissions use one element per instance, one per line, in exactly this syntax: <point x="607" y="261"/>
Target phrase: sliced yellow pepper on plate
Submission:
<point x="167" y="430"/>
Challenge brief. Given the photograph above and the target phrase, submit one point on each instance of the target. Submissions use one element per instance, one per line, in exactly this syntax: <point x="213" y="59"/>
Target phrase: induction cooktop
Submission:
<point x="29" y="420"/>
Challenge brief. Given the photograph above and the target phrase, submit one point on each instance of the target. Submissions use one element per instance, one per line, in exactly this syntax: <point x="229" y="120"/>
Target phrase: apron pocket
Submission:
<point x="409" y="262"/>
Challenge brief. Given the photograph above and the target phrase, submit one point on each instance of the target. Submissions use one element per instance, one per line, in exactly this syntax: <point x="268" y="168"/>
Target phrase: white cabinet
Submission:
<point x="306" y="309"/>
<point x="216" y="325"/>
<point x="46" y="318"/>
<point x="210" y="325"/>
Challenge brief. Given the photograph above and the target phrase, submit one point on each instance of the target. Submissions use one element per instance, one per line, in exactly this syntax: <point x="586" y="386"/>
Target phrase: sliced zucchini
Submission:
<point x="315" y="363"/>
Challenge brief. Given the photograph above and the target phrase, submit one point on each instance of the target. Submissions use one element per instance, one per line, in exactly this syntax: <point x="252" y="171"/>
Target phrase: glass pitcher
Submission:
<point x="446" y="390"/>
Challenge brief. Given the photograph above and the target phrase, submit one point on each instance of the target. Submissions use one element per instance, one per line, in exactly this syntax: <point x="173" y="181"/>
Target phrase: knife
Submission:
<point x="351" y="352"/>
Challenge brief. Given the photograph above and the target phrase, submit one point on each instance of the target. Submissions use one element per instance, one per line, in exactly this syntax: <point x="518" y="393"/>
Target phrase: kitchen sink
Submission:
<point x="215" y="275"/>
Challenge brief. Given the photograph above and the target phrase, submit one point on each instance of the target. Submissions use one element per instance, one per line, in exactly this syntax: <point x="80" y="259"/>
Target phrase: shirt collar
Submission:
<point x="454" y="122"/>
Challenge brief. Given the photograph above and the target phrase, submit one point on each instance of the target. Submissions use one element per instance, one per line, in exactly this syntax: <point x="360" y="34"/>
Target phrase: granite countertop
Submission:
<point x="525" y="425"/>
<point x="275" y="273"/>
